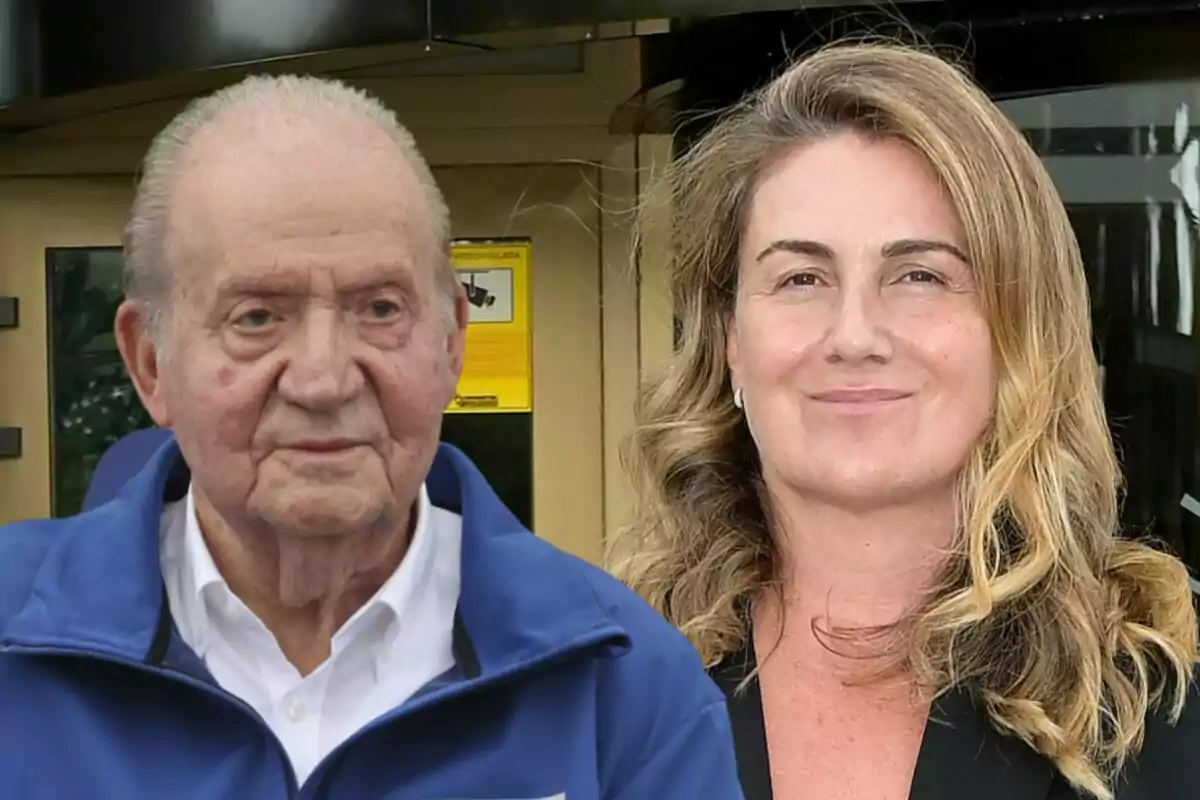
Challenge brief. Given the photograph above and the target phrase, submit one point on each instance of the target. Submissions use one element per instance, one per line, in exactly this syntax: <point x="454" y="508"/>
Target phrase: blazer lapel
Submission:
<point x="963" y="756"/>
<point x="746" y="719"/>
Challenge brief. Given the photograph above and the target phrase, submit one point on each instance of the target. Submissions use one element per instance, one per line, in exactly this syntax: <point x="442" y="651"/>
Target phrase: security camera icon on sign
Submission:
<point x="477" y="295"/>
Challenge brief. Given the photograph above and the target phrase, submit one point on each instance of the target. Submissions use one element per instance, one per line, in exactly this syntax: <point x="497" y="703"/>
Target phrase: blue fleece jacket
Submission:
<point x="566" y="686"/>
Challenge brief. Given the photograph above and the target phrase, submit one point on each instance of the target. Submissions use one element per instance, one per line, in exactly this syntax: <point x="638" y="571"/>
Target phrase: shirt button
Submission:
<point x="296" y="709"/>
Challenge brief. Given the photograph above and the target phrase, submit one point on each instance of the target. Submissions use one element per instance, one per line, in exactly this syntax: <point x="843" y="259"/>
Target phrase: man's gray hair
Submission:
<point x="147" y="278"/>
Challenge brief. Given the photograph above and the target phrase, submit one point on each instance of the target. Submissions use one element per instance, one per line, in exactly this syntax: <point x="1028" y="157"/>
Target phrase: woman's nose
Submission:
<point x="857" y="326"/>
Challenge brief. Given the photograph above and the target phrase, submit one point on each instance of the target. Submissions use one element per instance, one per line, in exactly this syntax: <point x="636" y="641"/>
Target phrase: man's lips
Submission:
<point x="322" y="445"/>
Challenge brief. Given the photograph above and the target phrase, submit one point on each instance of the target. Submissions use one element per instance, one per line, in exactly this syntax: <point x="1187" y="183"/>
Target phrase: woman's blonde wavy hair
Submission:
<point x="1068" y="633"/>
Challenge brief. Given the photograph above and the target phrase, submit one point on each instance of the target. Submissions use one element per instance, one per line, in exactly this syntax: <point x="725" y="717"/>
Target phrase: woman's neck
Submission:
<point x="855" y="568"/>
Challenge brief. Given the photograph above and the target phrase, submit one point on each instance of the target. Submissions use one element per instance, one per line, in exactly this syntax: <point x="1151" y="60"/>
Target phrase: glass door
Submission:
<point x="92" y="402"/>
<point x="1125" y="160"/>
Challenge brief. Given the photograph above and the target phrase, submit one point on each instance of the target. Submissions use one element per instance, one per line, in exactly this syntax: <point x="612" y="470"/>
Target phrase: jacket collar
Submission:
<point x="521" y="600"/>
<point x="99" y="590"/>
<point x="961" y="754"/>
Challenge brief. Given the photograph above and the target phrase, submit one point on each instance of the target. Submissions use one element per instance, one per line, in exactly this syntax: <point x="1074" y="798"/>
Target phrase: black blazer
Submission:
<point x="963" y="756"/>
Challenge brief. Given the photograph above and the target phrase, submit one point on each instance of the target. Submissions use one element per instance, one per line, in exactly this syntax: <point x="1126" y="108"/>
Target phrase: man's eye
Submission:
<point x="383" y="309"/>
<point x="256" y="318"/>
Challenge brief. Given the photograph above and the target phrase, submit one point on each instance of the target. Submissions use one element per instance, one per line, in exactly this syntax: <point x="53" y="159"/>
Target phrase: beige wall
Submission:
<point x="517" y="155"/>
<point x="35" y="212"/>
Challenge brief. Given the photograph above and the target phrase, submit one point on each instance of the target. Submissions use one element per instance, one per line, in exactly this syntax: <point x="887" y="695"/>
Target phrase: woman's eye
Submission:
<point x="921" y="276"/>
<point x="802" y="279"/>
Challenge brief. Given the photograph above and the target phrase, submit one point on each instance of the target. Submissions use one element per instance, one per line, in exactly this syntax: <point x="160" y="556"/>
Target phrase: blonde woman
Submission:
<point x="878" y="490"/>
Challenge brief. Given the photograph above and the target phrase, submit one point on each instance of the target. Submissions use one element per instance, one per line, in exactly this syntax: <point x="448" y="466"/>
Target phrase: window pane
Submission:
<point x="92" y="401"/>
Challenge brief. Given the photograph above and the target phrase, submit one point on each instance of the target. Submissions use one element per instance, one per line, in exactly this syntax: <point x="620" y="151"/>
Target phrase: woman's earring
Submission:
<point x="737" y="397"/>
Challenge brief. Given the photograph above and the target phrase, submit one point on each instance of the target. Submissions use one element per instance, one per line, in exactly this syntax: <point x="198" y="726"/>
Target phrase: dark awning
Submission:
<point x="58" y="47"/>
<point x="61" y="49"/>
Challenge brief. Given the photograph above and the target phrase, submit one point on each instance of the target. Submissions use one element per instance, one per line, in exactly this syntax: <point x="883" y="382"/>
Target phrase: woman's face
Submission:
<point x="858" y="338"/>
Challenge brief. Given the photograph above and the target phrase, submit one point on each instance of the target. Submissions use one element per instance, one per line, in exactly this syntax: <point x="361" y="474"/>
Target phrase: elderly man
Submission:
<point x="302" y="594"/>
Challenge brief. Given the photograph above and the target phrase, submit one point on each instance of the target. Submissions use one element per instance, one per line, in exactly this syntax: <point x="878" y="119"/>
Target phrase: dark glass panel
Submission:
<point x="92" y="401"/>
<point x="501" y="445"/>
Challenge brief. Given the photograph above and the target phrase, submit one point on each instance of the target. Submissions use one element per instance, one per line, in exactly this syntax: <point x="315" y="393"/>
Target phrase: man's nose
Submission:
<point x="858" y="325"/>
<point x="320" y="372"/>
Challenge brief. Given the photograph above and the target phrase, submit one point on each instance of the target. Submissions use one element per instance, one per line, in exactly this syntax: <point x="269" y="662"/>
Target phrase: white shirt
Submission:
<point x="392" y="646"/>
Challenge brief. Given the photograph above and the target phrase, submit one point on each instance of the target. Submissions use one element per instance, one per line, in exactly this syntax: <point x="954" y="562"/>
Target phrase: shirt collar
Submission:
<point x="200" y="571"/>
<point x="396" y="602"/>
<point x="203" y="598"/>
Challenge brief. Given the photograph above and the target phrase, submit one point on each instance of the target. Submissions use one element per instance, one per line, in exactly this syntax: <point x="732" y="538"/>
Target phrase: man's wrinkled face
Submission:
<point x="310" y="350"/>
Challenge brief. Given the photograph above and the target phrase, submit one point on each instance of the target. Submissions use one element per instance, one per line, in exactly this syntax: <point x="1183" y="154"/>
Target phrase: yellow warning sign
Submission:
<point x="497" y="371"/>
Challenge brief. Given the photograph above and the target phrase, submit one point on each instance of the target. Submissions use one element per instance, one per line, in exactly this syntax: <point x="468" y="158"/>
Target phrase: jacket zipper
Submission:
<point x="458" y="691"/>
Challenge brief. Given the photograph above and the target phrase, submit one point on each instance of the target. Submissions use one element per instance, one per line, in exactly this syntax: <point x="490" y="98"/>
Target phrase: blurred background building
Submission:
<point x="545" y="121"/>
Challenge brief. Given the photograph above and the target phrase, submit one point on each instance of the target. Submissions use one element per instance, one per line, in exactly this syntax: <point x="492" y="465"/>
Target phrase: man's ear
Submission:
<point x="456" y="336"/>
<point x="141" y="358"/>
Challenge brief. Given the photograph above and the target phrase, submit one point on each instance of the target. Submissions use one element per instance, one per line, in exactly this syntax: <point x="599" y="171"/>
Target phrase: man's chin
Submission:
<point x="324" y="512"/>
<point x="309" y="466"/>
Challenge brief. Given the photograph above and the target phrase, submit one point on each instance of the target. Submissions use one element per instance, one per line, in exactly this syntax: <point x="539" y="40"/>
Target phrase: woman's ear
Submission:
<point x="733" y="354"/>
